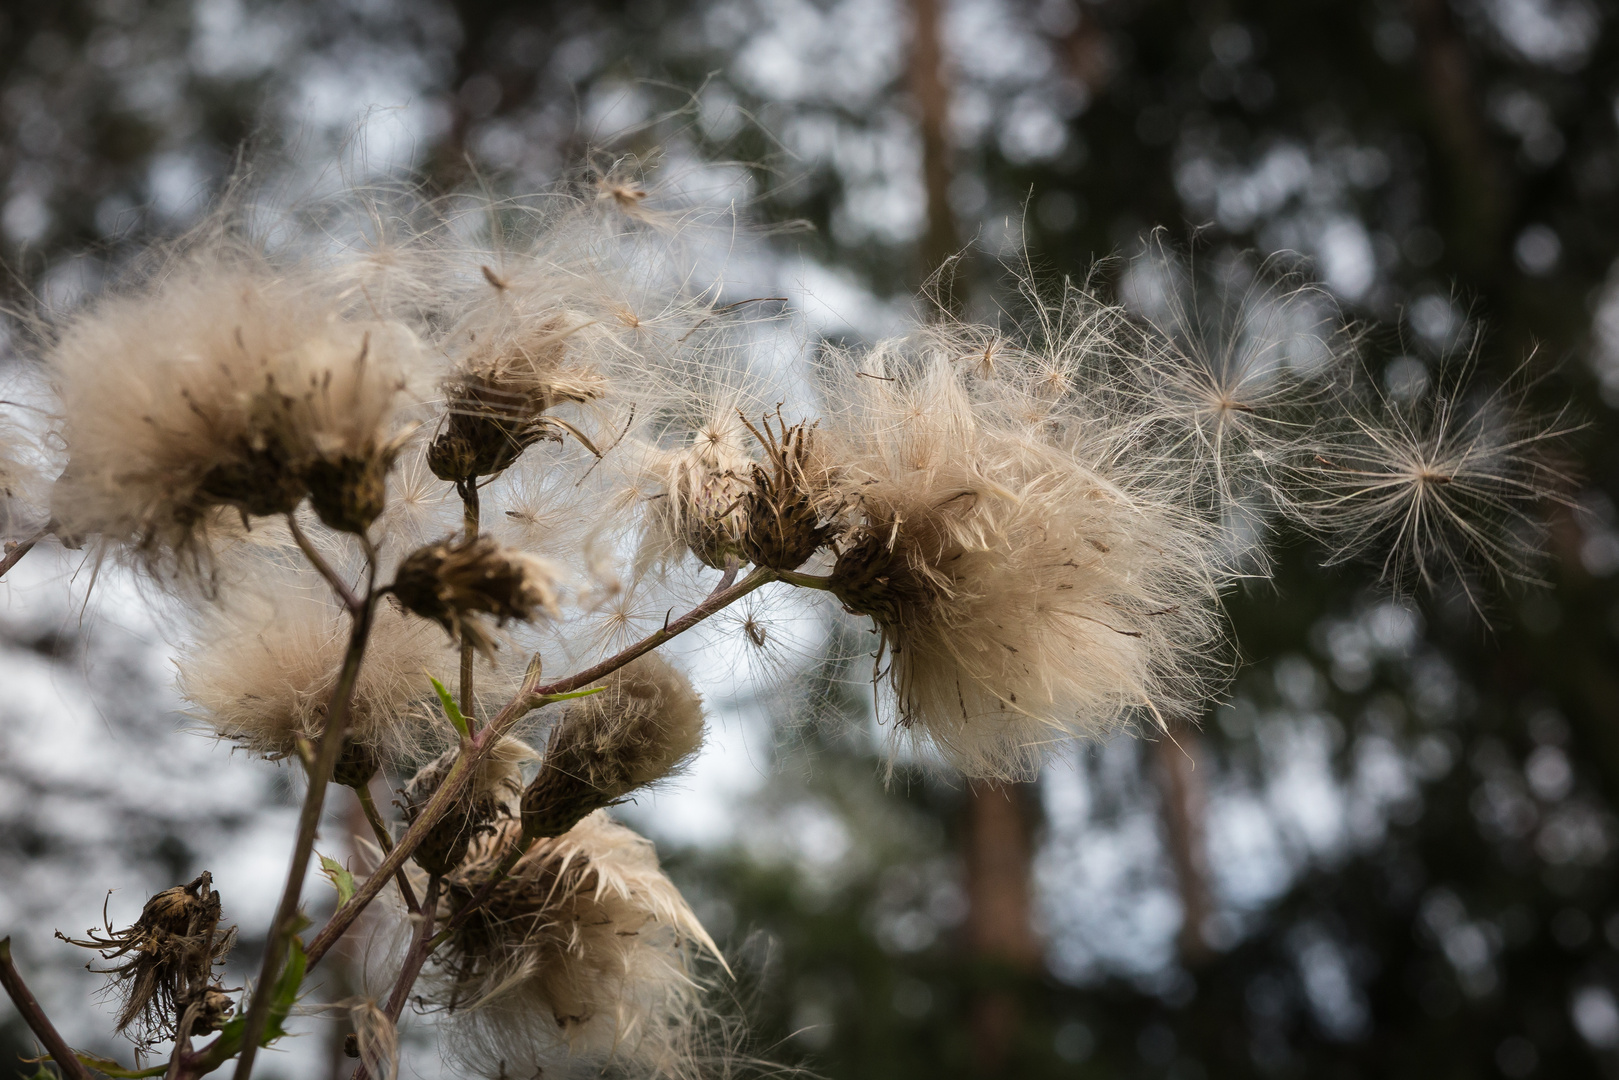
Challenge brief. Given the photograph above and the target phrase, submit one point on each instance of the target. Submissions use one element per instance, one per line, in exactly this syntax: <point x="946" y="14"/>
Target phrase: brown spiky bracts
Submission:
<point x="582" y="959"/>
<point x="454" y="582"/>
<point x="227" y="382"/>
<point x="644" y="725"/>
<point x="491" y="794"/>
<point x="513" y="369"/>
<point x="700" y="499"/>
<point x="163" y="965"/>
<point x="261" y="671"/>
<point x="1023" y="592"/>
<point x="789" y="502"/>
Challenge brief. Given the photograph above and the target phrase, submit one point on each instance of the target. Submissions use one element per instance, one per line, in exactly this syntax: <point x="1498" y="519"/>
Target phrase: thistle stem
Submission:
<point x="386" y="842"/>
<point x="417" y="956"/>
<point x="805" y="581"/>
<point x="40" y="1024"/>
<point x="331" y="744"/>
<point x="339" y="586"/>
<point x="527" y="698"/>
<point x="470" y="510"/>
<point x="15" y="551"/>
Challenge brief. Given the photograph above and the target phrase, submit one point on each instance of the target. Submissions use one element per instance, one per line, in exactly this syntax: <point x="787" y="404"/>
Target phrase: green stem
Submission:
<point x="805" y="581"/>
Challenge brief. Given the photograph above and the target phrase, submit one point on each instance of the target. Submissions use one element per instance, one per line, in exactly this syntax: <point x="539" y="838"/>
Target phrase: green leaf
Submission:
<point x="570" y="695"/>
<point x="450" y="709"/>
<point x="342" y="880"/>
<point x="109" y="1067"/>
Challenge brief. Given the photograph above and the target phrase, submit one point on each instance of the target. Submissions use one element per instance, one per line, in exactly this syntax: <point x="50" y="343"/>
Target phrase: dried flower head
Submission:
<point x="787" y="502"/>
<point x="514" y="369"/>
<point x="452" y="582"/>
<point x="1023" y="593"/>
<point x="581" y="958"/>
<point x="701" y="496"/>
<point x="262" y="668"/>
<point x="166" y="961"/>
<point x="226" y="382"/>
<point x="490" y="794"/>
<point x="645" y="724"/>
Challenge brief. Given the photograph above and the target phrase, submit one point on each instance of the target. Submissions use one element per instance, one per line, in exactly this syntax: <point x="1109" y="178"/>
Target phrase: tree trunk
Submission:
<point x="1182" y="800"/>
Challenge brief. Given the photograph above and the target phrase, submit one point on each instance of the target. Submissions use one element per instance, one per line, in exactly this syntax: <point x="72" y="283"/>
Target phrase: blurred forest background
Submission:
<point x="1390" y="853"/>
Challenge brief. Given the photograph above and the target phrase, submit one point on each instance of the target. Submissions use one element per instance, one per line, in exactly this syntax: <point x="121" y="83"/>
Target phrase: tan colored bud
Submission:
<point x="495" y="403"/>
<point x="783" y="506"/>
<point x="490" y="794"/>
<point x="165" y="962"/>
<point x="645" y="725"/>
<point x="451" y="582"/>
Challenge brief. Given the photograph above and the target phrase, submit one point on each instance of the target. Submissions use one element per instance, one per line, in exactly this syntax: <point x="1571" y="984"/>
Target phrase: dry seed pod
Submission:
<point x="581" y="962"/>
<point x="452" y="581"/>
<point x="645" y="725"/>
<point x="491" y="793"/>
<point x="784" y="519"/>
<point x="703" y="503"/>
<point x="166" y="961"/>
<point x="496" y="400"/>
<point x="1024" y="587"/>
<point x="261" y="671"/>
<point x="226" y="381"/>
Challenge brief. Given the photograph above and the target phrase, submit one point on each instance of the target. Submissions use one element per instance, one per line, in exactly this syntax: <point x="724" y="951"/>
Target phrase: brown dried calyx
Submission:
<point x="783" y="506"/>
<point x="165" y="964"/>
<point x="490" y="795"/>
<point x="874" y="577"/>
<point x="281" y="456"/>
<point x="496" y="402"/>
<point x="452" y="582"/>
<point x="644" y="726"/>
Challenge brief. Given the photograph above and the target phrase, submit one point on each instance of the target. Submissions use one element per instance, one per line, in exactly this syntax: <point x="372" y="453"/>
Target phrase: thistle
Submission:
<point x="498" y="396"/>
<point x="642" y="726"/>
<point x="584" y="954"/>
<point x="491" y="794"/>
<point x="785" y="504"/>
<point x="165" y="964"/>
<point x="453" y="582"/>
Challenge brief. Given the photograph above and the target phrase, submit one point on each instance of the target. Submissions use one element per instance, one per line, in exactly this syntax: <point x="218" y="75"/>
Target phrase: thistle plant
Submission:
<point x="407" y="492"/>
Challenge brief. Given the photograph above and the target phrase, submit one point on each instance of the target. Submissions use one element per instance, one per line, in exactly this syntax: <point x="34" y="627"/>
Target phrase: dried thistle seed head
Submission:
<point x="349" y="492"/>
<point x="1026" y="588"/>
<point x="165" y="962"/>
<point x="872" y="578"/>
<point x="213" y="1009"/>
<point x="262" y="667"/>
<point x="785" y="501"/>
<point x="644" y="726"/>
<point x="451" y="582"/>
<point x="495" y="401"/>
<point x="228" y="380"/>
<point x="700" y="503"/>
<point x="583" y="960"/>
<point x="356" y="764"/>
<point x="491" y="793"/>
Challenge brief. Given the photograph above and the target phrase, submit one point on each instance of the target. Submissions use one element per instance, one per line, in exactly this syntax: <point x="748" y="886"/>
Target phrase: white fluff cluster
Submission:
<point x="582" y="962"/>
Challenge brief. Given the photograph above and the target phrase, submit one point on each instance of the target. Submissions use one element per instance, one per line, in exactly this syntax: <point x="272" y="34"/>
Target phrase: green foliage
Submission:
<point x="341" y="879"/>
<point x="451" y="710"/>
